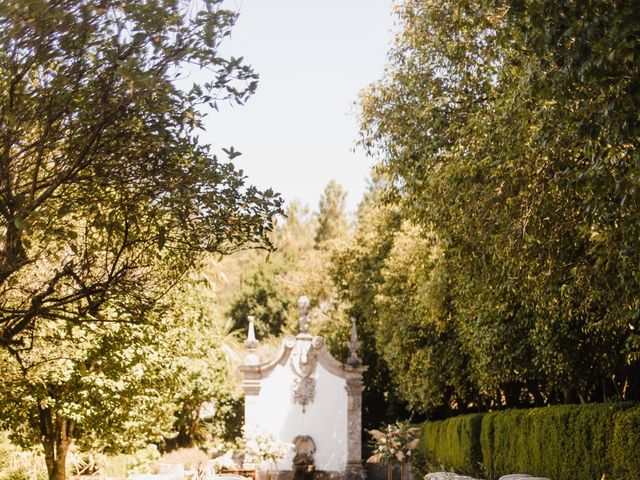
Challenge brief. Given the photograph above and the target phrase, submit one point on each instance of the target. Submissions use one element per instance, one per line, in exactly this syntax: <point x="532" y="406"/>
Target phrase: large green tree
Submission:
<point x="107" y="199"/>
<point x="271" y="285"/>
<point x="106" y="195"/>
<point x="119" y="385"/>
<point x="99" y="386"/>
<point x="356" y="270"/>
<point x="510" y="131"/>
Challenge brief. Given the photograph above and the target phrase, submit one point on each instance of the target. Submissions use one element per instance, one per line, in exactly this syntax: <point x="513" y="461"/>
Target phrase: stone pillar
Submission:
<point x="354" y="470"/>
<point x="251" y="375"/>
<point x="355" y="386"/>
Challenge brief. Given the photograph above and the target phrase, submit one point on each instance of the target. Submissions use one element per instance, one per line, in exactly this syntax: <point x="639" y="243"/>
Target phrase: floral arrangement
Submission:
<point x="394" y="442"/>
<point x="264" y="448"/>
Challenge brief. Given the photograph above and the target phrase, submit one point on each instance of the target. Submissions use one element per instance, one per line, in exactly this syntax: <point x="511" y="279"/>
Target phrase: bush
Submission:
<point x="19" y="473"/>
<point x="141" y="461"/>
<point x="18" y="464"/>
<point x="565" y="442"/>
<point x="419" y="463"/>
<point x="626" y="438"/>
<point x="454" y="443"/>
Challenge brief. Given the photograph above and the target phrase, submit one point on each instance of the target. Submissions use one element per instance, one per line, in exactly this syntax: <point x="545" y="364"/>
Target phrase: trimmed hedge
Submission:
<point x="564" y="442"/>
<point x="458" y="443"/>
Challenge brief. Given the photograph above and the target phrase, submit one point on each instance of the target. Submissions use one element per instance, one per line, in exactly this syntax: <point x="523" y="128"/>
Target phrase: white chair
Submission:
<point x="446" y="476"/>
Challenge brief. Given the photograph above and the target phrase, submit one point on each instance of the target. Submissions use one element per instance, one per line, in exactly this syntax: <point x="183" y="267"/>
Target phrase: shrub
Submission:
<point x="454" y="443"/>
<point x="18" y="464"/>
<point x="565" y="442"/>
<point x="419" y="462"/>
<point x="19" y="473"/>
<point x="626" y="438"/>
<point x="141" y="461"/>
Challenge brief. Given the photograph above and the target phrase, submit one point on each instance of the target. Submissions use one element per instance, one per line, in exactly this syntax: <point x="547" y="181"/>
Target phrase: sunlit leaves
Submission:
<point x="510" y="131"/>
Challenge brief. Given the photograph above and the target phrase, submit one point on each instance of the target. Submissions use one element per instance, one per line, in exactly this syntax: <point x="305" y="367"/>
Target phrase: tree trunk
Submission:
<point x="56" y="436"/>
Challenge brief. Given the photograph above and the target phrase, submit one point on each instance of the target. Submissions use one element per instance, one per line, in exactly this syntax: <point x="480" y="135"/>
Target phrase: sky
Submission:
<point x="299" y="130"/>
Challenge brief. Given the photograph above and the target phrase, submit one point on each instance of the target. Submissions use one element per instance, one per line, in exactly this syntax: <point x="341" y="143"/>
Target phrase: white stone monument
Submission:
<point x="304" y="391"/>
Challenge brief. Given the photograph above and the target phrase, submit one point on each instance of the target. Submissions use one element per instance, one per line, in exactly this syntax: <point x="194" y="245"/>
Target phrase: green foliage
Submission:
<point x="356" y="269"/>
<point x="101" y="386"/>
<point x="419" y="462"/>
<point x="454" y="443"/>
<point x="117" y="386"/>
<point x="568" y="442"/>
<point x="332" y="218"/>
<point x="356" y="272"/>
<point x="108" y="197"/>
<point x="269" y="287"/>
<point x="19" y="473"/>
<point x="264" y="297"/>
<point x="108" y="201"/>
<point x="17" y="463"/>
<point x="626" y="435"/>
<point x="507" y="133"/>
<point x="413" y="314"/>
<point x="139" y="461"/>
<point x="202" y="346"/>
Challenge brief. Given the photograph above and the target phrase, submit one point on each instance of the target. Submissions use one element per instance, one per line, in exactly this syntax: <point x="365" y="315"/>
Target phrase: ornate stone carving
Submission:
<point x="354" y="345"/>
<point x="307" y="357"/>
<point x="289" y="341"/>
<point x="303" y="305"/>
<point x="304" y="361"/>
<point x="304" y="391"/>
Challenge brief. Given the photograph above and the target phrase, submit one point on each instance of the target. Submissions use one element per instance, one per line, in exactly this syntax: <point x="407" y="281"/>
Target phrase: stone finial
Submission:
<point x="354" y="345"/>
<point x="303" y="306"/>
<point x="251" y="343"/>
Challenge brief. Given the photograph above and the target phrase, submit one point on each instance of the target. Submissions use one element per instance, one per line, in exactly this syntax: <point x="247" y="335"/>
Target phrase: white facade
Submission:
<point x="305" y="391"/>
<point x="275" y="412"/>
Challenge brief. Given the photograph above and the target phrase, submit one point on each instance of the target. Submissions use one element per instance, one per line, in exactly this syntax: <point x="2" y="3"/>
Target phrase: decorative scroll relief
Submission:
<point x="304" y="391"/>
<point x="303" y="362"/>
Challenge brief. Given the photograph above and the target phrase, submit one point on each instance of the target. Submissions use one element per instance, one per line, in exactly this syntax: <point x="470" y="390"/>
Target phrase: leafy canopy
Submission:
<point x="106" y="195"/>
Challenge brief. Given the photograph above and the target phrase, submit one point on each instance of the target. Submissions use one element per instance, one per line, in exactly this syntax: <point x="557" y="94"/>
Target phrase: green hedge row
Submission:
<point x="565" y="442"/>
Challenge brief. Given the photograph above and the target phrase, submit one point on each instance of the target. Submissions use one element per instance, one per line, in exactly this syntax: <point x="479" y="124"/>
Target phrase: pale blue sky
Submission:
<point x="313" y="56"/>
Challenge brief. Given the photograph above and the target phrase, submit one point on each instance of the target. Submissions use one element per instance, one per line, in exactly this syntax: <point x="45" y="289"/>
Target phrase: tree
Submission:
<point x="356" y="270"/>
<point x="207" y="396"/>
<point x="270" y="286"/>
<point x="106" y="196"/>
<point x="264" y="297"/>
<point x="107" y="200"/>
<point x="332" y="219"/>
<point x="118" y="386"/>
<point x="508" y="130"/>
<point x="105" y="386"/>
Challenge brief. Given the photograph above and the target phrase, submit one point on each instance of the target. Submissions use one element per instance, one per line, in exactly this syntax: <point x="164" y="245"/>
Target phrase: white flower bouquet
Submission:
<point x="264" y="448"/>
